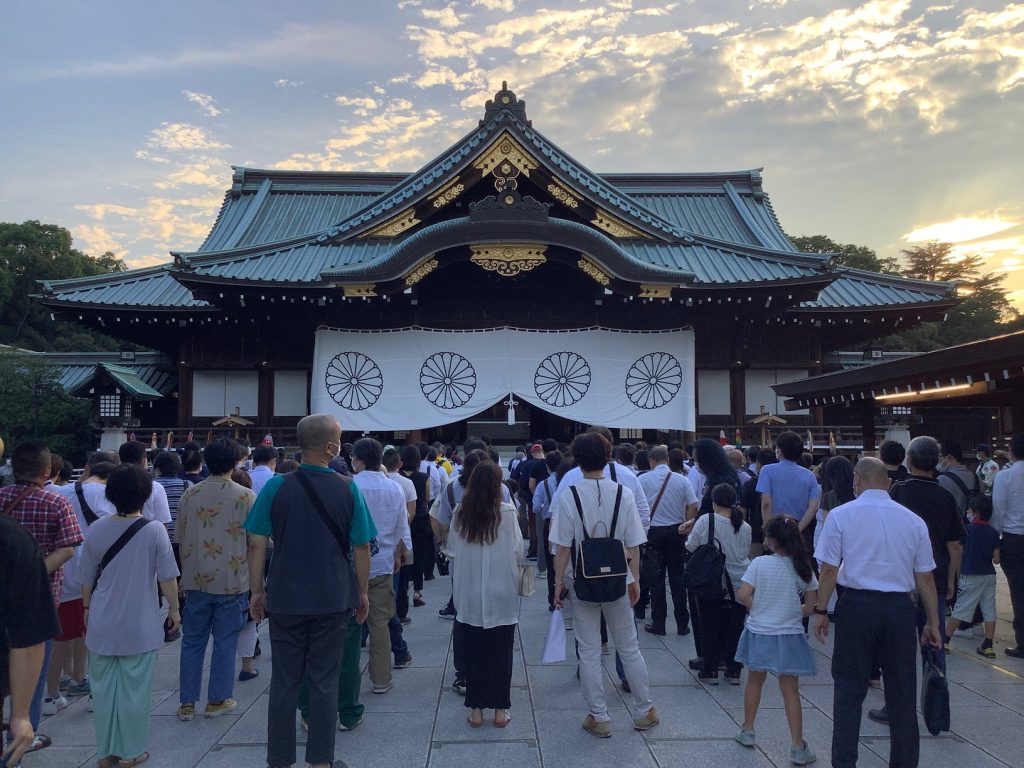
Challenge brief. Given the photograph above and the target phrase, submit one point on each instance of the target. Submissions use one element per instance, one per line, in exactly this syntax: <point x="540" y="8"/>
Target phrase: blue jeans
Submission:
<point x="35" y="709"/>
<point x="223" y="616"/>
<point x="398" y="645"/>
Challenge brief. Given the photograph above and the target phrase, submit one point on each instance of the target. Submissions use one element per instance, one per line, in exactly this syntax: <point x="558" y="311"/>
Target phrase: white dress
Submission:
<point x="485" y="577"/>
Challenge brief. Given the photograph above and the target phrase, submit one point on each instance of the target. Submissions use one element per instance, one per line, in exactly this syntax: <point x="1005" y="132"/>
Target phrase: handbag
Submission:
<point x="527" y="580"/>
<point x="934" y="691"/>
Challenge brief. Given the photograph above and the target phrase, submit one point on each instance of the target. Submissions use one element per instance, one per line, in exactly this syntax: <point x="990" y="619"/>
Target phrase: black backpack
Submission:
<point x="703" y="575"/>
<point x="599" y="565"/>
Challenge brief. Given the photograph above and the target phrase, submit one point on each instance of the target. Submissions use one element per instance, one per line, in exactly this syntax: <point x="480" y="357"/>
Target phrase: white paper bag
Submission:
<point x="554" y="648"/>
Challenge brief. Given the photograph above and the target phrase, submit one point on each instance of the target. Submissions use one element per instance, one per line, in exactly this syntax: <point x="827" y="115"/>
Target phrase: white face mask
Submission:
<point x="333" y="455"/>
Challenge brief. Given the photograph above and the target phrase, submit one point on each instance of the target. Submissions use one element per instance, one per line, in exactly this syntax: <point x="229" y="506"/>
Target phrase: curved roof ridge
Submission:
<point x="107" y="277"/>
<point x="936" y="286"/>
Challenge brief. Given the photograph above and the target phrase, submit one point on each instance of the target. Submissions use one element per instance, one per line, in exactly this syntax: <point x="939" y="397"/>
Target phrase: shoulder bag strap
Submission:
<point x="450" y="491"/>
<point x="321" y="510"/>
<point x="958" y="482"/>
<point x="87" y="513"/>
<point x="118" y="545"/>
<point x="711" y="527"/>
<point x="661" y="493"/>
<point x="579" y="511"/>
<point x="611" y="471"/>
<point x="547" y="487"/>
<point x="615" y="514"/>
<point x="9" y="507"/>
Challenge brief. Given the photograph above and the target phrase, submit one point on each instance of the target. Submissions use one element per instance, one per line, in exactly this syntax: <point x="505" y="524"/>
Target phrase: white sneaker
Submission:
<point x="51" y="706"/>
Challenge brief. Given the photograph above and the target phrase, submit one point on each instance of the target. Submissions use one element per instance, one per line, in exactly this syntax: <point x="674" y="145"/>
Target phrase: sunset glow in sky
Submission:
<point x="884" y="123"/>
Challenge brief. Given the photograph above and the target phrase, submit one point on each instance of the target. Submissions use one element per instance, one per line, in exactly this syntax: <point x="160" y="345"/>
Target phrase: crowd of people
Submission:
<point x="759" y="551"/>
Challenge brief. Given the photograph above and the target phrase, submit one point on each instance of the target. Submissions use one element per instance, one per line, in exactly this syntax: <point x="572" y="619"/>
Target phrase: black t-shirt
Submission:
<point x="750" y="500"/>
<point x="538" y="471"/>
<point x="936" y="506"/>
<point x="898" y="475"/>
<point x="27" y="615"/>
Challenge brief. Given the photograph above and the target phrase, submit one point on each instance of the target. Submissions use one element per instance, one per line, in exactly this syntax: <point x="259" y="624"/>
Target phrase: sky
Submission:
<point x="884" y="123"/>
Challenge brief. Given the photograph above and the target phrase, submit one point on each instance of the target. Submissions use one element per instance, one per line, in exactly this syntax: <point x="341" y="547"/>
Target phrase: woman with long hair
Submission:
<point x="732" y="532"/>
<point x="487" y="546"/>
<point x="716" y="469"/>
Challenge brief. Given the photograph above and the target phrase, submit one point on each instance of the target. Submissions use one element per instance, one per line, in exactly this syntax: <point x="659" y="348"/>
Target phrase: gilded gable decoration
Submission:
<point x="563" y="195"/>
<point x="616" y="228"/>
<point x="655" y="291"/>
<point x="506" y="159"/>
<point x="508" y="260"/>
<point x="395" y="226"/>
<point x="449" y="193"/>
<point x="360" y="291"/>
<point x="420" y="272"/>
<point x="594" y="271"/>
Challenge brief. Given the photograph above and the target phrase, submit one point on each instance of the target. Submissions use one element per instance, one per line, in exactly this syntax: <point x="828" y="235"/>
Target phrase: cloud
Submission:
<point x="445" y="17"/>
<point x="362" y="105"/>
<point x="100" y="211"/>
<point x="182" y="136"/>
<point x="196" y="172"/>
<point x="96" y="239"/>
<point x="206" y="103"/>
<point x="960" y="229"/>
<point x="283" y="82"/>
<point x="496" y="5"/>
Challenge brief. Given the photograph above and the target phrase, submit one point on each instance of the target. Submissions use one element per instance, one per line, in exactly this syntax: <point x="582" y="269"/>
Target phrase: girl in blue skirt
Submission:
<point x="773" y="639"/>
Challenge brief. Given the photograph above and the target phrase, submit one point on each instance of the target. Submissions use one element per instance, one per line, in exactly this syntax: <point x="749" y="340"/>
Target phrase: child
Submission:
<point x="774" y="640"/>
<point x="978" y="574"/>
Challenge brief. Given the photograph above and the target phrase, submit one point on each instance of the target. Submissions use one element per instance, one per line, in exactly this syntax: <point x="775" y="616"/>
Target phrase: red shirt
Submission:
<point x="51" y="520"/>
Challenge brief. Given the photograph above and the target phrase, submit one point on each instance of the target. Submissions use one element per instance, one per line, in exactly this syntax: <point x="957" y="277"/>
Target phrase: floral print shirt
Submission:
<point x="211" y="540"/>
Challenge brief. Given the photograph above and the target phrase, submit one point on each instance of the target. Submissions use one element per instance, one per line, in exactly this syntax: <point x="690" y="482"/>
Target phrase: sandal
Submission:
<point x="474" y="723"/>
<point x="503" y="723"/>
<point x="109" y="761"/>
<point x="134" y="761"/>
<point x="41" y="741"/>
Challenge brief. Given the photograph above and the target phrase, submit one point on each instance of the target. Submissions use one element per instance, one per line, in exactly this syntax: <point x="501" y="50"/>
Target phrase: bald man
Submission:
<point x="878" y="552"/>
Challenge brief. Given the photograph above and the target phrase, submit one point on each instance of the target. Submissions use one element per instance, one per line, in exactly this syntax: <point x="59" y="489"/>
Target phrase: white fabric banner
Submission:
<point x="416" y="378"/>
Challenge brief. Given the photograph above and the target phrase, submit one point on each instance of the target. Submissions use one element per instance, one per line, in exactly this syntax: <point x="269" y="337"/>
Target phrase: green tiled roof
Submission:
<point x="147" y="288"/>
<point x="858" y="289"/>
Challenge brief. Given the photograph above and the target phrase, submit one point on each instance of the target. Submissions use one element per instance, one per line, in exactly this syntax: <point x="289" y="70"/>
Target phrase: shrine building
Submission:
<point x="503" y="282"/>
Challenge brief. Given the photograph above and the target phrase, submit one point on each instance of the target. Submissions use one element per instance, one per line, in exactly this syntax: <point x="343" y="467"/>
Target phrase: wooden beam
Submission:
<point x="867" y="426"/>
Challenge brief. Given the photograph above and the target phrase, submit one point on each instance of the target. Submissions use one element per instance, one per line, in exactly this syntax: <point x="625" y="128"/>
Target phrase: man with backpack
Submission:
<point x="595" y="523"/>
<point x="955" y="477"/>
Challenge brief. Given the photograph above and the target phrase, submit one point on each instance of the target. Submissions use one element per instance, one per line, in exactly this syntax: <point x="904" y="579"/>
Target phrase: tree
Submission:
<point x="34" y="405"/>
<point x="984" y="309"/>
<point x="847" y="255"/>
<point x="30" y="252"/>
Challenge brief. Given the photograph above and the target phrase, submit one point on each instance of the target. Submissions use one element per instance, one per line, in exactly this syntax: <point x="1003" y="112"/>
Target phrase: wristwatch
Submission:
<point x="821" y="611"/>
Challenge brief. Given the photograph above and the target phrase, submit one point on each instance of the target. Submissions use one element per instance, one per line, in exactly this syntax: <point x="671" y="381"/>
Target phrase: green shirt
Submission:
<point x="361" y="531"/>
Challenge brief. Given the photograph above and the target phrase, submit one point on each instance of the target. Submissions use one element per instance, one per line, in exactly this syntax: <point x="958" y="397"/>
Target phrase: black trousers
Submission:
<point x="310" y="647"/>
<point x="402" y="591"/>
<point x="869" y="623"/>
<point x="422" y="554"/>
<point x="719" y="637"/>
<point x="550" y="560"/>
<point x="1011" y="553"/>
<point x="666" y="553"/>
<point x="489" y="666"/>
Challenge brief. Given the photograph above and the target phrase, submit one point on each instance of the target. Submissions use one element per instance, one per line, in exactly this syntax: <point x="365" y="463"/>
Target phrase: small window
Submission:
<point x="110" y="406"/>
<point x="631" y="434"/>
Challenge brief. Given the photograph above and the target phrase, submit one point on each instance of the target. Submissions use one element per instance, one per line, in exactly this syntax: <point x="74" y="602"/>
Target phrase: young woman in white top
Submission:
<point x="774" y="639"/>
<point x="719" y="634"/>
<point x="486" y="543"/>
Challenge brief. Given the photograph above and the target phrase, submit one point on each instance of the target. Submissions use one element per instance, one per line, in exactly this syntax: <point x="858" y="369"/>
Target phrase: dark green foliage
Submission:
<point x="34" y="405"/>
<point x="847" y="254"/>
<point x="33" y="251"/>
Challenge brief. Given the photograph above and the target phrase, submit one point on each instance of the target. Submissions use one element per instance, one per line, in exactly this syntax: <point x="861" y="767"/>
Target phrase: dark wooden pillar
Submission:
<point x="184" y="395"/>
<point x="265" y="398"/>
<point x="867" y="425"/>
<point x="738" y="395"/>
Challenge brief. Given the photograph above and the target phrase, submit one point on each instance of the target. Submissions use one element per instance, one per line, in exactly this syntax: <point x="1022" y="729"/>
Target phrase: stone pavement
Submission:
<point x="422" y="723"/>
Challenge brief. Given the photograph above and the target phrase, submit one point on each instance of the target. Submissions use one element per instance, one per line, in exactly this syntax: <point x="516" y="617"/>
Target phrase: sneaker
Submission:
<point x="383" y="687"/>
<point x="356" y="724"/>
<point x="51" y="705"/>
<point x="746" y="738"/>
<point x="732" y="676"/>
<point x="648" y="721"/>
<point x="406" y="620"/>
<point x="447" y="613"/>
<point x="418" y="602"/>
<point x="987" y="651"/>
<point x="879" y="715"/>
<point x="708" y="678"/>
<point x="65" y="682"/>
<point x="79" y="689"/>
<point x="401" y="662"/>
<point x="947" y="647"/>
<point x="696" y="664"/>
<point x="186" y="712"/>
<point x="243" y="676"/>
<point x="542" y="574"/>
<point x="1016" y="653"/>
<point x="655" y="629"/>
<point x="221" y="708"/>
<point x="459" y="686"/>
<point x="602" y="730"/>
<point x="802" y="755"/>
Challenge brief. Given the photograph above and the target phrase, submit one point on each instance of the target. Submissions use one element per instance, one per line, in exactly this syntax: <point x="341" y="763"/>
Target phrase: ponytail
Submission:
<point x="785" y="532"/>
<point x="724" y="495"/>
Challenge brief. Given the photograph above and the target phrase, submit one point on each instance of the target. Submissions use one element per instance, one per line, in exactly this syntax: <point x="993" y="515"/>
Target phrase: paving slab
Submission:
<point x="508" y="754"/>
<point x="720" y="753"/>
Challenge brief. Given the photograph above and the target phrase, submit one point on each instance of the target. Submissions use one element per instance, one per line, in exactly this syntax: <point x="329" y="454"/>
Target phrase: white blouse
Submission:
<point x="485" y="577"/>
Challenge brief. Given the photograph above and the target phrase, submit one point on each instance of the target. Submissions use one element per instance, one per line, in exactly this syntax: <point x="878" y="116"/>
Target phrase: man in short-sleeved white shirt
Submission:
<point x="619" y="474"/>
<point x="597" y="497"/>
<point x="879" y="552"/>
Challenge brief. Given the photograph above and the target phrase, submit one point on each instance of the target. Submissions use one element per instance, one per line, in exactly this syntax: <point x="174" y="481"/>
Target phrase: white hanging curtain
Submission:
<point x="417" y="378"/>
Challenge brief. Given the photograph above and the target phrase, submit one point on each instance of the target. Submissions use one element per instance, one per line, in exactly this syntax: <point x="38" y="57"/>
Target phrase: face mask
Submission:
<point x="333" y="455"/>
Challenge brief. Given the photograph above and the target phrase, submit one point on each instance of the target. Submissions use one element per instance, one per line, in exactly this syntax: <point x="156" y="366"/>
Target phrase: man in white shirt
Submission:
<point x="878" y="552"/>
<point x="156" y="506"/>
<point x="672" y="502"/>
<point x="598" y="501"/>
<point x="1008" y="519"/>
<point x="429" y="468"/>
<point x="386" y="502"/>
<point x="264" y="459"/>
<point x="392" y="463"/>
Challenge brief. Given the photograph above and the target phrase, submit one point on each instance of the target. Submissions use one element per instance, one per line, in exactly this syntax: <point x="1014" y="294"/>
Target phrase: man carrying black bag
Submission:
<point x="592" y="523"/>
<point x="885" y="555"/>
